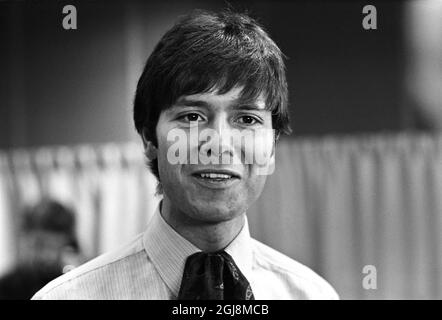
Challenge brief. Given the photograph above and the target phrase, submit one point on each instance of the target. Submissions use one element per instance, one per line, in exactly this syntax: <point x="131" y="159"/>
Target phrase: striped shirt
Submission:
<point x="152" y="265"/>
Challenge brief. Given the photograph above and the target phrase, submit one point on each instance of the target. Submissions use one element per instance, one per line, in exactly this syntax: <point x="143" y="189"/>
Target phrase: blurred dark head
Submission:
<point x="207" y="51"/>
<point x="48" y="230"/>
<point x="51" y="216"/>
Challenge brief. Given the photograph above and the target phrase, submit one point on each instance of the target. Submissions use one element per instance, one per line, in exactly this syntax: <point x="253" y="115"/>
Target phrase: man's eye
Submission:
<point x="190" y="117"/>
<point x="248" y="120"/>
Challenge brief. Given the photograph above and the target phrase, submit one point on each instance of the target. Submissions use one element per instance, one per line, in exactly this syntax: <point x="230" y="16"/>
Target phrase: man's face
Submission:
<point x="213" y="191"/>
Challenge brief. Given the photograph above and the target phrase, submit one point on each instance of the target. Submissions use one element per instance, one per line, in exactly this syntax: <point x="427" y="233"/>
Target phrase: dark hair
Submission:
<point x="205" y="51"/>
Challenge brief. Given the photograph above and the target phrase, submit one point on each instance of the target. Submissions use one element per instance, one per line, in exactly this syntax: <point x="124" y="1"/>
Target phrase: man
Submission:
<point x="220" y="74"/>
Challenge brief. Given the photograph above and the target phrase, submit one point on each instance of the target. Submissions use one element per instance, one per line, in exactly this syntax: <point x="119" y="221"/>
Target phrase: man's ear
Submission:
<point x="149" y="148"/>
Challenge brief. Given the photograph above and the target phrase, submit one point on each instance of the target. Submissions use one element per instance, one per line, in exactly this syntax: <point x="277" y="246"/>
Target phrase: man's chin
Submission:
<point x="212" y="212"/>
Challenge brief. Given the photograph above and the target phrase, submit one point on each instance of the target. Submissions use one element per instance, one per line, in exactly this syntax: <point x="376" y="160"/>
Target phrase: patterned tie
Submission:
<point x="213" y="276"/>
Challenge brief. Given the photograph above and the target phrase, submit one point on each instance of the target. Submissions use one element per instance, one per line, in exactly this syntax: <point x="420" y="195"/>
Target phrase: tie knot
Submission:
<point x="202" y="262"/>
<point x="213" y="275"/>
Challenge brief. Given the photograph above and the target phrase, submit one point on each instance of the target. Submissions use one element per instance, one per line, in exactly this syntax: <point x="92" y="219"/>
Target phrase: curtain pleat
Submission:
<point x="7" y="227"/>
<point x="434" y="175"/>
<point x="336" y="204"/>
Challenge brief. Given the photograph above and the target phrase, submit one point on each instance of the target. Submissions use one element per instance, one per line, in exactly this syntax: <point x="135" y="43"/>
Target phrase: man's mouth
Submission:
<point x="216" y="177"/>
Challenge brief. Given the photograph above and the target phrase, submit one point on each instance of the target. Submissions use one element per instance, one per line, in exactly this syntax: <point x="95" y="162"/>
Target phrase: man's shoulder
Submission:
<point x="297" y="275"/>
<point x="86" y="280"/>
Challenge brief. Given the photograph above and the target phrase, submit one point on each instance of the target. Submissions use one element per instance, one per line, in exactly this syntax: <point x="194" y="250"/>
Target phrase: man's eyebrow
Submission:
<point x="248" y="106"/>
<point x="191" y="103"/>
<point x="238" y="104"/>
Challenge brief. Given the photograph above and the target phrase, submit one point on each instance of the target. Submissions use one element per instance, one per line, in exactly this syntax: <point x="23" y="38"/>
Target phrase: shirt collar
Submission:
<point x="168" y="250"/>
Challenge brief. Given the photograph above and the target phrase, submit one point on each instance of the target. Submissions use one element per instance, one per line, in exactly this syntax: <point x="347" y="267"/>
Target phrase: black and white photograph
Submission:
<point x="220" y="150"/>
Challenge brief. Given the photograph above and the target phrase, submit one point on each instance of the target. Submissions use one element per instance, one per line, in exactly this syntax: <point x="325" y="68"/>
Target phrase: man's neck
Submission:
<point x="208" y="237"/>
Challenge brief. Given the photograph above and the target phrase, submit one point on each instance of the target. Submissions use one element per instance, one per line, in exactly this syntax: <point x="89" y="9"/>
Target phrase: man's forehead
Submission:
<point x="233" y="98"/>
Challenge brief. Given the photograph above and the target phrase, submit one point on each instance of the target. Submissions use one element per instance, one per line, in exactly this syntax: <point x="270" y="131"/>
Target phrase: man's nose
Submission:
<point x="220" y="145"/>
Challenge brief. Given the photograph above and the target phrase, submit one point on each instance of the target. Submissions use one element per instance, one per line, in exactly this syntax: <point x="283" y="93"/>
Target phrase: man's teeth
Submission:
<point x="215" y="175"/>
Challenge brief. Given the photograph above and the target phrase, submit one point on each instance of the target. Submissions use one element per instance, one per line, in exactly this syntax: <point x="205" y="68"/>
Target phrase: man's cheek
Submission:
<point x="176" y="147"/>
<point x="263" y="152"/>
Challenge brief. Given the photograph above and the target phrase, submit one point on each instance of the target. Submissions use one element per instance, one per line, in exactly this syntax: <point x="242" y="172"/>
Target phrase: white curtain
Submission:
<point x="336" y="204"/>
